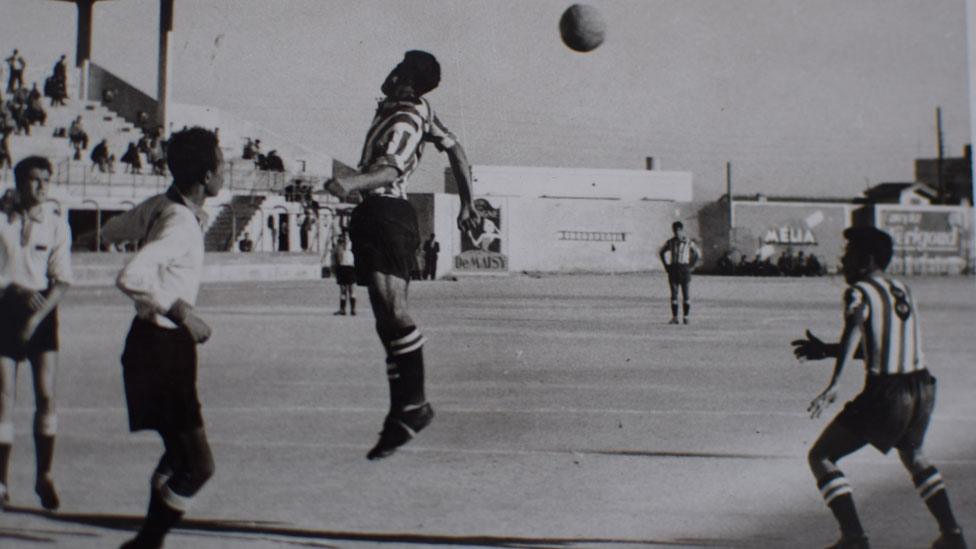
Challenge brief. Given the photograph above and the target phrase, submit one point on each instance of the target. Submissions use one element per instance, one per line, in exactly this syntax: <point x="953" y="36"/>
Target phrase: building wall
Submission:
<point x="768" y="229"/>
<point x="555" y="235"/>
<point x="928" y="239"/>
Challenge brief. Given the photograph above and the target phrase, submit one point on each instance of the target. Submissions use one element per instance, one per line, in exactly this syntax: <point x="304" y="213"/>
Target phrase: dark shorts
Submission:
<point x="892" y="411"/>
<point x="679" y="274"/>
<point x="14" y="313"/>
<point x="345" y="275"/>
<point x="385" y="238"/>
<point x="159" y="369"/>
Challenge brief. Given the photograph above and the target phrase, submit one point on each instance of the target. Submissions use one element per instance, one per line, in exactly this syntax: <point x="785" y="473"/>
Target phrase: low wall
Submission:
<point x="100" y="269"/>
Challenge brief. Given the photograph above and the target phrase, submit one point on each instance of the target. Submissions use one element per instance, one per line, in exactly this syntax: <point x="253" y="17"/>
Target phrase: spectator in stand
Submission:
<point x="35" y="107"/>
<point x="100" y="156"/>
<point x="17" y="106"/>
<point x="785" y="263"/>
<point x="78" y="137"/>
<point x="725" y="265"/>
<point x="272" y="162"/>
<point x="248" y="153"/>
<point x="799" y="264"/>
<point x="59" y="82"/>
<point x="6" y="159"/>
<point x="431" y="249"/>
<point x="157" y="159"/>
<point x="131" y="159"/>
<point x="16" y="65"/>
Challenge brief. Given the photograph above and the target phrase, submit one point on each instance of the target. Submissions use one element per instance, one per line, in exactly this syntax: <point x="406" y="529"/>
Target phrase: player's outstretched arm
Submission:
<point x="846" y="353"/>
<point x="468" y="218"/>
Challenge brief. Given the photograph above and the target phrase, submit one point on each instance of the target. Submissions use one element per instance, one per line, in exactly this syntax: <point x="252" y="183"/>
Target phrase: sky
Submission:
<point x="804" y="97"/>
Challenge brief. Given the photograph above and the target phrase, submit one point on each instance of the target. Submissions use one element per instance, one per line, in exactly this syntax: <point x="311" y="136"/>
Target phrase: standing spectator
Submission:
<point x="100" y="156"/>
<point x="431" y="249"/>
<point x="131" y="159"/>
<point x="159" y="362"/>
<point x="16" y="66"/>
<point x="246" y="244"/>
<point x="679" y="255"/>
<point x="273" y="231"/>
<point x="35" y="270"/>
<point x="35" y="107"/>
<point x="345" y="272"/>
<point x="59" y="82"/>
<point x="5" y="157"/>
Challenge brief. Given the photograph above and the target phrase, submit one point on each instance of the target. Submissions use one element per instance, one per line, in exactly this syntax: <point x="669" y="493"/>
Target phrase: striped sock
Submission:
<point x="838" y="496"/>
<point x="932" y="490"/>
<point x="405" y="369"/>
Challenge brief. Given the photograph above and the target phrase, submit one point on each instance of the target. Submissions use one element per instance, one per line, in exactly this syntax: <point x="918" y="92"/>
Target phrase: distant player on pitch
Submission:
<point x="679" y="256"/>
<point x="385" y="236"/>
<point x="35" y="272"/>
<point x="894" y="407"/>
<point x="159" y="362"/>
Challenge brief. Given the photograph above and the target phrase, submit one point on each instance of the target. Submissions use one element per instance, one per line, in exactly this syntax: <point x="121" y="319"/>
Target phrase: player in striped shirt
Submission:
<point x="893" y="409"/>
<point x="385" y="235"/>
<point x="679" y="255"/>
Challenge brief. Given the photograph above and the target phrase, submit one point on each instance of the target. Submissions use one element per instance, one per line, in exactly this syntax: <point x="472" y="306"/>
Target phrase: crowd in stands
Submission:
<point x="270" y="162"/>
<point x="787" y="264"/>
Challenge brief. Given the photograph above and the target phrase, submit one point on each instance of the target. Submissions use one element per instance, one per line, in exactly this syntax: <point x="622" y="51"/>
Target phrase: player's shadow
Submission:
<point x="284" y="534"/>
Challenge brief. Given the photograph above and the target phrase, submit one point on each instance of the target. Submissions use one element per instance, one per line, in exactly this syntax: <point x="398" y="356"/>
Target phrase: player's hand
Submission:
<point x="811" y="348"/>
<point x="337" y="188"/>
<point x="822" y="402"/>
<point x="36" y="301"/>
<point x="469" y="218"/>
<point x="27" y="332"/>
<point x="197" y="327"/>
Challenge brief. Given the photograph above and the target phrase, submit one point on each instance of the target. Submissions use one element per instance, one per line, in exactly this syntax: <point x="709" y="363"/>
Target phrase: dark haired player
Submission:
<point x="385" y="236"/>
<point x="35" y="272"/>
<point x="894" y="408"/>
<point x="159" y="362"/>
<point x="679" y="255"/>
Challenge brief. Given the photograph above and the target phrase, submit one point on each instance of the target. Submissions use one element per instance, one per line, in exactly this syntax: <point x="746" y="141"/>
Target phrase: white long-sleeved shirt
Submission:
<point x="35" y="248"/>
<point x="169" y="265"/>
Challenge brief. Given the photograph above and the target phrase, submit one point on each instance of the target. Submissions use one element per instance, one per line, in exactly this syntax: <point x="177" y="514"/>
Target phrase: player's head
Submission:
<point x="194" y="158"/>
<point x="678" y="228"/>
<point x="31" y="177"/>
<point x="868" y="250"/>
<point x="417" y="74"/>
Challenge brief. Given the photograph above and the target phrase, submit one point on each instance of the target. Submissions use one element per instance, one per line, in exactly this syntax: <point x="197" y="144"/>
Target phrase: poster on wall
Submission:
<point x="927" y="241"/>
<point x="482" y="248"/>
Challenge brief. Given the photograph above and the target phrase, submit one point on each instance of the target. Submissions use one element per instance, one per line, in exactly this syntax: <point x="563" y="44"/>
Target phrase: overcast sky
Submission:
<point x="804" y="97"/>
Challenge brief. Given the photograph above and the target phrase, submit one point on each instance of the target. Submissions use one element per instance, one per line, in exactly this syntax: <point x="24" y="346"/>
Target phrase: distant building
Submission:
<point x="957" y="174"/>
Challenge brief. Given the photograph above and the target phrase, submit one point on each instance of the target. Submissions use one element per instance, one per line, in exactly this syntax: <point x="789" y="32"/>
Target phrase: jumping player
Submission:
<point x="35" y="272"/>
<point x="345" y="273"/>
<point x="894" y="408"/>
<point x="159" y="362"/>
<point x="679" y="255"/>
<point x="385" y="236"/>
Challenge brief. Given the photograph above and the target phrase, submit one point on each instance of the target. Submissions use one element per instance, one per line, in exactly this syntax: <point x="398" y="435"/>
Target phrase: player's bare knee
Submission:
<point x="913" y="459"/>
<point x="45" y="423"/>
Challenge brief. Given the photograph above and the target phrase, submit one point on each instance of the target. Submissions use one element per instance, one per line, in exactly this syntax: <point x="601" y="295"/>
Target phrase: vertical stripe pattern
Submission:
<point x="889" y="327"/>
<point x="396" y="138"/>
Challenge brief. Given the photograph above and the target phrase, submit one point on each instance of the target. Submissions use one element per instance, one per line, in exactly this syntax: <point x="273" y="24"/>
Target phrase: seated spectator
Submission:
<point x="725" y="265"/>
<point x="799" y="265"/>
<point x="6" y="159"/>
<point x="813" y="266"/>
<point x="131" y="159"/>
<point x="248" y="153"/>
<point x="78" y="137"/>
<point x="272" y="162"/>
<point x="100" y="157"/>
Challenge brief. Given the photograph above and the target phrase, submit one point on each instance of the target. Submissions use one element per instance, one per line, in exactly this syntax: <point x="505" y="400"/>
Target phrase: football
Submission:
<point x="582" y="28"/>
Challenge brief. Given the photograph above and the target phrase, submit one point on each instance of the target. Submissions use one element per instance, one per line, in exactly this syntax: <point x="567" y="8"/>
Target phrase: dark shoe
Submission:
<point x="674" y="320"/>
<point x="399" y="429"/>
<point x="952" y="540"/>
<point x="49" y="496"/>
<point x="353" y="313"/>
<point x="338" y="313"/>
<point x="851" y="543"/>
<point x="687" y="321"/>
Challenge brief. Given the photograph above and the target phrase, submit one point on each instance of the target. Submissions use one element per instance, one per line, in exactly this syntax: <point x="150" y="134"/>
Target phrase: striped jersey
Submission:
<point x="396" y="138"/>
<point x="887" y="318"/>
<point x="680" y="251"/>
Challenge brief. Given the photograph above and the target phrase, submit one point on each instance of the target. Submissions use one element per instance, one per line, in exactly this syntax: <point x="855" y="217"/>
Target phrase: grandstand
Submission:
<point x="252" y="201"/>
